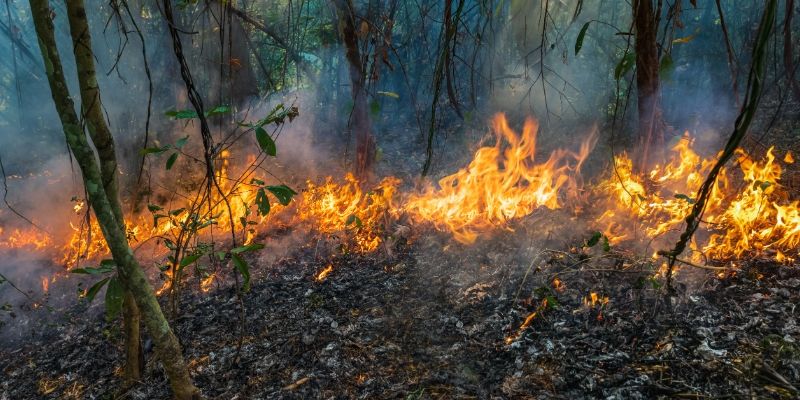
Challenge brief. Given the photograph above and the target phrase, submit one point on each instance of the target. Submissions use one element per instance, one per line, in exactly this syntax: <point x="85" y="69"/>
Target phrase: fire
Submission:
<point x="45" y="285"/>
<point x="594" y="300"/>
<point x="31" y="239"/>
<point x="501" y="183"/>
<point x="345" y="208"/>
<point x="525" y="324"/>
<point x="324" y="273"/>
<point x="751" y="218"/>
<point x="207" y="282"/>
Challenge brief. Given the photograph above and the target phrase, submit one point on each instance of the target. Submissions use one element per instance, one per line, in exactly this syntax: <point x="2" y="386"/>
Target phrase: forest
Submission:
<point x="456" y="199"/>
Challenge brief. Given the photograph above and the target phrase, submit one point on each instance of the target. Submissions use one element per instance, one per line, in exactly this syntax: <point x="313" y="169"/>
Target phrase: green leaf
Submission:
<point x="177" y="211"/>
<point x="389" y="94"/>
<point x="763" y="185"/>
<point x="625" y="64"/>
<point x="102" y="269"/>
<point x="247" y="248"/>
<point x="353" y="219"/>
<point x="666" y="67"/>
<point x="113" y="299"/>
<point x="265" y="142"/>
<point x="218" y="110"/>
<point x="154" y="207"/>
<point x="283" y="193"/>
<point x="92" y="292"/>
<point x="374" y="108"/>
<point x="153" y="150"/>
<point x="171" y="160"/>
<point x="241" y="266"/>
<point x="581" y="36"/>
<point x="256" y="181"/>
<point x="188" y="260"/>
<point x="606" y="245"/>
<point x="181" y="142"/>
<point x="262" y="202"/>
<point x="181" y="114"/>
<point x="594" y="239"/>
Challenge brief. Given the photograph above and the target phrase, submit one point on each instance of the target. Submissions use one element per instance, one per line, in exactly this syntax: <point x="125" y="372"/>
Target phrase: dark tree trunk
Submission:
<point x="788" y="58"/>
<point x="651" y="125"/>
<point x="359" y="119"/>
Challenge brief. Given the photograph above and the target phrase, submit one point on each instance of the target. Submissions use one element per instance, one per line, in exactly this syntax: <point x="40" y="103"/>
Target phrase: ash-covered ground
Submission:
<point x="434" y="319"/>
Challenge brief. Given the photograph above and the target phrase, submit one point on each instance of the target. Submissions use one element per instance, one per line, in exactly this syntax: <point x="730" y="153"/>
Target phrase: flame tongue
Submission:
<point x="501" y="183"/>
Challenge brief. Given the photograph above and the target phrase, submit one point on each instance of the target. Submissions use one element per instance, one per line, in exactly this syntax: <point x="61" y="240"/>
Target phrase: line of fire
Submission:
<point x="539" y="199"/>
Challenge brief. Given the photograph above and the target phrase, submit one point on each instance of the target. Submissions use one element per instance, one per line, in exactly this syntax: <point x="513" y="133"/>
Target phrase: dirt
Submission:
<point x="438" y="319"/>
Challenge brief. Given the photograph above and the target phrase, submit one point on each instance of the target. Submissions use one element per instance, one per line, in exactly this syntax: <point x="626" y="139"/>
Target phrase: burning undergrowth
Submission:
<point x="511" y="276"/>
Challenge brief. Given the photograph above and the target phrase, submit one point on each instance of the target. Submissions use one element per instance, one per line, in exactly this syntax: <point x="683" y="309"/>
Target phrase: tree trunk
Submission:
<point x="788" y="58"/>
<point x="106" y="207"/>
<point x="651" y="125"/>
<point x="365" y="141"/>
<point x="92" y="114"/>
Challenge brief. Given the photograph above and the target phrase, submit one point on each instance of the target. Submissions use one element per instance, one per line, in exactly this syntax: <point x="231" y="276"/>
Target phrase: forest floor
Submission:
<point x="437" y="319"/>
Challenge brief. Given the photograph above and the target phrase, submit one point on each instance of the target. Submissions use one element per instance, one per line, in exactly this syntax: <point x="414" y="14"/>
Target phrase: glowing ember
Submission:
<point x="207" y="282"/>
<point x="502" y="183"/>
<point x="525" y="324"/>
<point x="45" y="285"/>
<point x="324" y="273"/>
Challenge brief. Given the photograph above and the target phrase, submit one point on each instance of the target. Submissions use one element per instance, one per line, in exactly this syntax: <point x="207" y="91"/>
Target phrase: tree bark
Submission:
<point x="651" y="125"/>
<point x="105" y="207"/>
<point x="92" y="115"/>
<point x="365" y="141"/>
<point x="788" y="58"/>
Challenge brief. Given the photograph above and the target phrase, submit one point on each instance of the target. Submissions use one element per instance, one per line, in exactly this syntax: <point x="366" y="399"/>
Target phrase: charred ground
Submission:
<point x="432" y="319"/>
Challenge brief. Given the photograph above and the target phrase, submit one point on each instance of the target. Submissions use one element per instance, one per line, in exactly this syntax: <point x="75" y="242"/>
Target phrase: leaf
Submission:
<point x="176" y="212"/>
<point x="241" y="266"/>
<point x="247" y="248"/>
<point x="624" y="65"/>
<point x="606" y="245"/>
<point x="171" y="160"/>
<point x="102" y="269"/>
<point x="666" y="67"/>
<point x="154" y="207"/>
<point x="581" y="36"/>
<point x="113" y="299"/>
<point x="218" y="110"/>
<point x="389" y="94"/>
<point x="353" y="219"/>
<point x="594" y="239"/>
<point x="95" y="288"/>
<point x="262" y="202"/>
<point x="283" y="193"/>
<point x="374" y="108"/>
<point x="181" y="142"/>
<point x="153" y="150"/>
<point x="686" y="39"/>
<point x="188" y="260"/>
<point x="265" y="142"/>
<point x="181" y="114"/>
<point x="256" y="181"/>
<point x="684" y="197"/>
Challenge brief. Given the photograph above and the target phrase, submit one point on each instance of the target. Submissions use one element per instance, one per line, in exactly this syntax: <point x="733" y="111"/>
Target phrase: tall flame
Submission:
<point x="501" y="183"/>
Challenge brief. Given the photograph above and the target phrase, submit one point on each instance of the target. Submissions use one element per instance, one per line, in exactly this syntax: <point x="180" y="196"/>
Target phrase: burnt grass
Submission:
<point x="431" y="320"/>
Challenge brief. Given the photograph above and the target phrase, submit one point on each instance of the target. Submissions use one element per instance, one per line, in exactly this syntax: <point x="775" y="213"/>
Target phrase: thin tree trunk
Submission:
<point x="92" y="114"/>
<point x="105" y="207"/>
<point x="651" y="126"/>
<point x="365" y="141"/>
<point x="788" y="58"/>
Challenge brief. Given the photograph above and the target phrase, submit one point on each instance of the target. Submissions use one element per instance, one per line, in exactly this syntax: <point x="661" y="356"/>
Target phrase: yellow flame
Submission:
<point x="324" y="273"/>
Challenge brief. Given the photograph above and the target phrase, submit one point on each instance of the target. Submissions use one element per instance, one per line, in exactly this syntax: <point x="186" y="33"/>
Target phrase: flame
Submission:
<point x="751" y="218"/>
<point x="346" y="209"/>
<point x="45" y="285"/>
<point x="207" y="282"/>
<point x="594" y="300"/>
<point x="501" y="183"/>
<point x="324" y="273"/>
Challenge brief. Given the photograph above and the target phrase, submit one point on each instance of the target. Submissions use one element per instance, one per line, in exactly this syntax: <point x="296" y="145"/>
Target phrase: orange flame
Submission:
<point x="324" y="273"/>
<point x="500" y="184"/>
